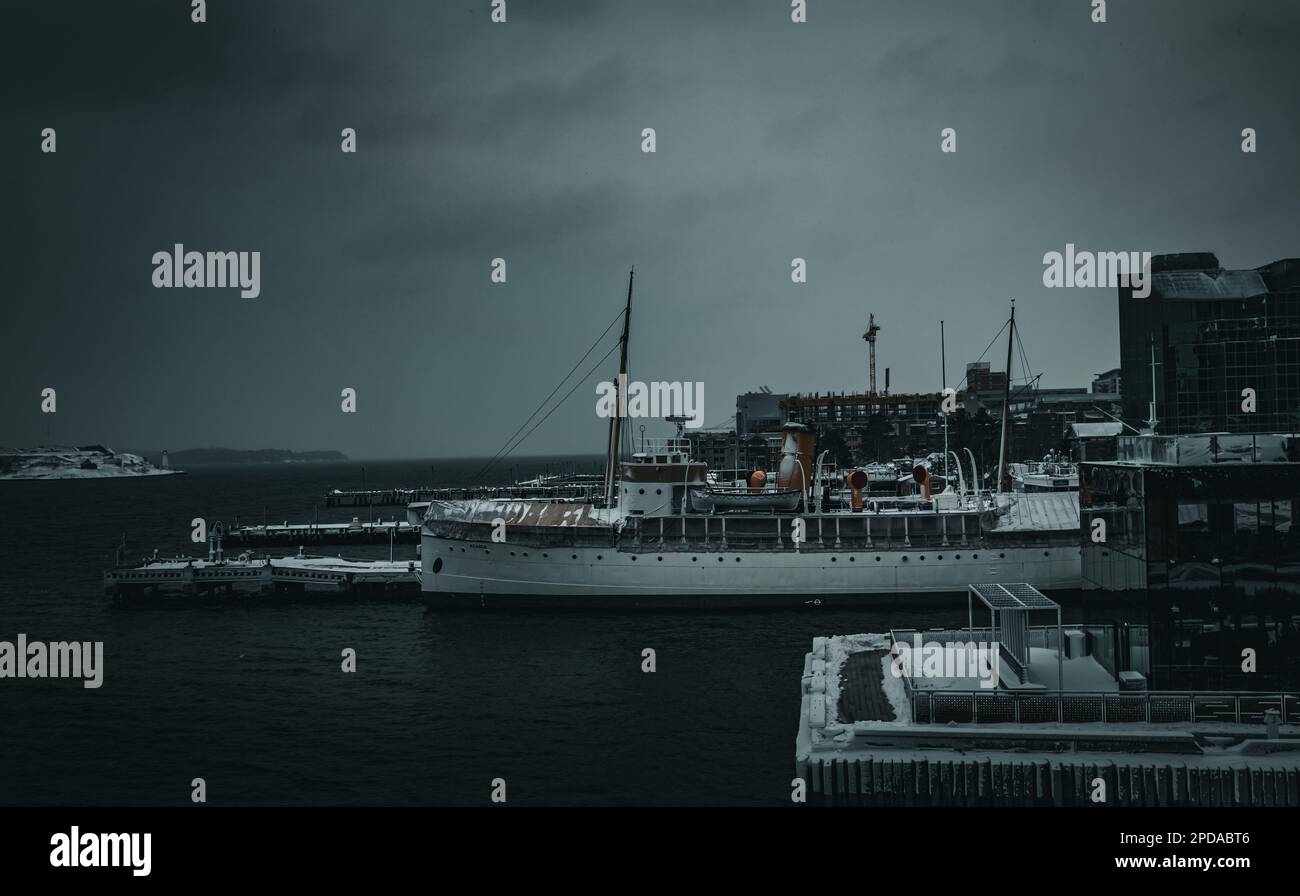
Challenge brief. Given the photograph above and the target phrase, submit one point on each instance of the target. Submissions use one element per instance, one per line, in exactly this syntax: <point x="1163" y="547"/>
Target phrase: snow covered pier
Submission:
<point x="874" y="732"/>
<point x="182" y="578"/>
<point x="354" y="532"/>
<point x="534" y="490"/>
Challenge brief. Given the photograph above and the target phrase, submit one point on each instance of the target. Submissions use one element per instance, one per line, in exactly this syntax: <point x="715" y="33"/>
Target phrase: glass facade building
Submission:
<point x="1191" y="561"/>
<point x="1216" y="333"/>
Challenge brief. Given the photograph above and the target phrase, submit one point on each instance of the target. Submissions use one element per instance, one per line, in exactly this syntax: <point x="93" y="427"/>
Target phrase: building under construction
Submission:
<point x="874" y="425"/>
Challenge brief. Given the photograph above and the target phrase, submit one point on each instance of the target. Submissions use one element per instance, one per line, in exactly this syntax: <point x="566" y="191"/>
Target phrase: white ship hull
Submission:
<point x="473" y="574"/>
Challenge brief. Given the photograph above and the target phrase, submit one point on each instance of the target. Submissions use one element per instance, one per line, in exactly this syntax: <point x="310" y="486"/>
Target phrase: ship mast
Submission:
<point x="1004" y="473"/>
<point x="943" y="373"/>
<point x="616" y="419"/>
<point x="1151" y="421"/>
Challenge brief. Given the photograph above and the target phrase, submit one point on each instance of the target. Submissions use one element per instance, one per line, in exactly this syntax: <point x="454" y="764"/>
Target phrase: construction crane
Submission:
<point x="870" y="336"/>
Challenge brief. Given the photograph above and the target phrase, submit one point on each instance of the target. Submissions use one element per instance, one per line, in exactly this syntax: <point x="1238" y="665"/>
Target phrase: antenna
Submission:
<point x="1151" y="417"/>
<point x="943" y="373"/>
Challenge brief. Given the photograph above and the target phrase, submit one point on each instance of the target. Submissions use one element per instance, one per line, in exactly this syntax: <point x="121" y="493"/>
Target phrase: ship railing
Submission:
<point x="658" y="447"/>
<point x="864" y="531"/>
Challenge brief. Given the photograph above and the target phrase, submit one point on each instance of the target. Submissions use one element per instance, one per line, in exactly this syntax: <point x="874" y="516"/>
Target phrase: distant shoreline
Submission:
<point x="89" y="462"/>
<point x="213" y="457"/>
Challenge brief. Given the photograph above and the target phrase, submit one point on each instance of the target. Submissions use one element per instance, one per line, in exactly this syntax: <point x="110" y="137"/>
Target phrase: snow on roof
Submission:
<point x="1101" y="430"/>
<point x="1208" y="284"/>
<point x="1040" y="512"/>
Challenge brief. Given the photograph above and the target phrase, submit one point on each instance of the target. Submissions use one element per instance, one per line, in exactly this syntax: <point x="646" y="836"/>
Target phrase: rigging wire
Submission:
<point x="985" y="352"/>
<point x="501" y="452"/>
<point x="556" y="406"/>
<point x="1024" y="358"/>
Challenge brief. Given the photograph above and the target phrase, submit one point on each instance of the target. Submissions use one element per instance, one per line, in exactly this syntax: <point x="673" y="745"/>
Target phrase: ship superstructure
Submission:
<point x="668" y="534"/>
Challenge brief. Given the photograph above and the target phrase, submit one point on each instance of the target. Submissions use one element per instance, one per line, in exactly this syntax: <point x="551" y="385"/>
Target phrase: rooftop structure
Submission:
<point x="870" y="736"/>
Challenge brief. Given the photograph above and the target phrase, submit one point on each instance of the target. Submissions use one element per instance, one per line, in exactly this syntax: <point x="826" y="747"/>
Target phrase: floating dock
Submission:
<point x="868" y="736"/>
<point x="355" y="532"/>
<point x="181" y="578"/>
<point x="400" y="497"/>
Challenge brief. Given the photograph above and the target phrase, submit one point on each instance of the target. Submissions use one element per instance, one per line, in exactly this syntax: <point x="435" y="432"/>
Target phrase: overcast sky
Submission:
<point x="523" y="141"/>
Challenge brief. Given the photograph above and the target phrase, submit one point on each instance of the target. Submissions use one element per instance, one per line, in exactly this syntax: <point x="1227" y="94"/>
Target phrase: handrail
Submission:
<point x="1226" y="703"/>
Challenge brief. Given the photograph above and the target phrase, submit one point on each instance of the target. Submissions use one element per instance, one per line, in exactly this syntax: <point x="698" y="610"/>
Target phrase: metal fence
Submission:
<point x="1071" y="707"/>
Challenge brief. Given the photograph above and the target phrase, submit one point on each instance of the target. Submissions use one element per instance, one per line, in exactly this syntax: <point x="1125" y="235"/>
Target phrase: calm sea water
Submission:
<point x="253" y="700"/>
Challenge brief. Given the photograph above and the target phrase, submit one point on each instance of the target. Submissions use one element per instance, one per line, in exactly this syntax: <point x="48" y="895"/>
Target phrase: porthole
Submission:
<point x="1002" y="556"/>
<point x="974" y="556"/>
<point x="659" y="491"/>
<point x="437" y="566"/>
<point x="904" y="558"/>
<point x="661" y="559"/>
<point x="486" y="551"/>
<point x="832" y="559"/>
<point x="600" y="556"/>
<point x="575" y="556"/>
<point x="940" y="557"/>
<point x="634" y="559"/>
<point x="720" y="559"/>
<point x="922" y="556"/>
<point x="640" y="491"/>
<point x="512" y="553"/>
<point x="851" y="559"/>
<point x="1046" y="554"/>
<point x="544" y="556"/>
<point x="877" y="559"/>
<point x="958" y="557"/>
<point x="737" y="559"/>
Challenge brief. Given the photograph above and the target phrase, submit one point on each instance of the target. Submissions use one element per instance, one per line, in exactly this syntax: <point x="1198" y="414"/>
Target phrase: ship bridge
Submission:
<point x="657" y="480"/>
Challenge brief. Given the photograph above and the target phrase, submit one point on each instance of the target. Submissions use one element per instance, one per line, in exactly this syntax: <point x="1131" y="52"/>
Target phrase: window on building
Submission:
<point x="1245" y="517"/>
<point x="1193" y="517"/>
<point x="1282" y="515"/>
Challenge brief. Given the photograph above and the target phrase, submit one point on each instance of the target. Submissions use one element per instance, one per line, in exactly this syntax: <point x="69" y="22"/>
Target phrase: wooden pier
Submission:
<point x="181" y="578"/>
<point x="889" y="777"/>
<point x="400" y="497"/>
<point x="354" y="532"/>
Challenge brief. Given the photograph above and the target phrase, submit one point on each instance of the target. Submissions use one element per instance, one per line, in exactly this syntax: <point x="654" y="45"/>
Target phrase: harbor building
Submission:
<point x="1011" y="712"/>
<point x="1210" y="334"/>
<point x="759" y="412"/>
<point x="1108" y="383"/>
<point x="980" y="377"/>
<point x="1191" y="564"/>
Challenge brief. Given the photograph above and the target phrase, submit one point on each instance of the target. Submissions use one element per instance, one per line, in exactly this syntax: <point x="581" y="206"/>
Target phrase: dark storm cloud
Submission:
<point x="522" y="141"/>
<point x="113" y="55"/>
<point x="433" y="228"/>
<point x="532" y="110"/>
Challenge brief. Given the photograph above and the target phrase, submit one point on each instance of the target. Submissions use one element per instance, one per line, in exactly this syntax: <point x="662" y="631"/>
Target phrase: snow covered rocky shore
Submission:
<point x="90" y="462"/>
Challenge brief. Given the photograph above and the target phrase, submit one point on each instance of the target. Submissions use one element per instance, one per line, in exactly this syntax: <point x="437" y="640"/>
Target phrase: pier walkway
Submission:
<point x="354" y="532"/>
<point x="181" y="577"/>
